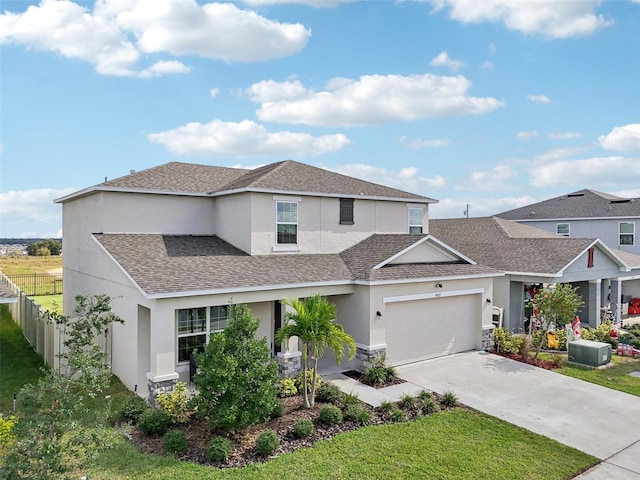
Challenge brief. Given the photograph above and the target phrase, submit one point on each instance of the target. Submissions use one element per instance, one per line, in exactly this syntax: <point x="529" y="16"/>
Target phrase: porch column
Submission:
<point x="594" y="302"/>
<point x="616" y="298"/>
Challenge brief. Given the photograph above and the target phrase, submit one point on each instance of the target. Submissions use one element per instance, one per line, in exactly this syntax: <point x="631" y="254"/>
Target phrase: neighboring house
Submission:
<point x="586" y="214"/>
<point x="532" y="257"/>
<point x="174" y="245"/>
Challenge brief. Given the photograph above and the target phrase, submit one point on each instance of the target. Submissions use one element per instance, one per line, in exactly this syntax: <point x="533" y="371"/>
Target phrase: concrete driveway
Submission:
<point x="602" y="422"/>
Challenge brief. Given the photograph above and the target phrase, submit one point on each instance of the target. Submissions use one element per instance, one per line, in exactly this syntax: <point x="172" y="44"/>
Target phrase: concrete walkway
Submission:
<point x="599" y="421"/>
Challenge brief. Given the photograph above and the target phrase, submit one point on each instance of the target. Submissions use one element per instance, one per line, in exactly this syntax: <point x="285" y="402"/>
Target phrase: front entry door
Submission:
<point x="277" y="323"/>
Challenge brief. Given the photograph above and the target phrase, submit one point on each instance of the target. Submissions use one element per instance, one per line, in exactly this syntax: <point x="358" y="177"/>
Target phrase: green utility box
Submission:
<point x="587" y="352"/>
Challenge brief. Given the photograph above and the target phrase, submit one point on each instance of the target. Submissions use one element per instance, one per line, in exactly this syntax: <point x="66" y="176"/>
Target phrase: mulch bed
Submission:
<point x="540" y="363"/>
<point x="360" y="377"/>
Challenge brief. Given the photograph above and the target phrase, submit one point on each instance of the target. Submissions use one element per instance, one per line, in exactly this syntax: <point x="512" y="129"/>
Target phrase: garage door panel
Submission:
<point x="422" y="329"/>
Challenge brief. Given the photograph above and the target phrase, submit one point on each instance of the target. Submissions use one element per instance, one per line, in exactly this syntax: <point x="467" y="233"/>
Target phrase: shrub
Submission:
<point x="267" y="442"/>
<point x="175" y="404"/>
<point x="328" y="393"/>
<point x="425" y="395"/>
<point x="387" y="406"/>
<point x="352" y="411"/>
<point x="278" y="410"/>
<point x="378" y="372"/>
<point x="132" y="408"/>
<point x="287" y="387"/>
<point x="429" y="406"/>
<point x="330" y="415"/>
<point x="364" y="417"/>
<point x="219" y="449"/>
<point x="302" y="428"/>
<point x="397" y="415"/>
<point x="560" y="333"/>
<point x="350" y="399"/>
<point x="175" y="442"/>
<point x="600" y="334"/>
<point x="154" y="422"/>
<point x="299" y="380"/>
<point x="505" y="341"/>
<point x="7" y="433"/>
<point x="408" y="402"/>
<point x="449" y="399"/>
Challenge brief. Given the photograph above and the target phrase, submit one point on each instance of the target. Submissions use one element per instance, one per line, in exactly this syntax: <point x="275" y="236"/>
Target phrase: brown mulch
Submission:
<point x="199" y="435"/>
<point x="538" y="362"/>
<point x="360" y="377"/>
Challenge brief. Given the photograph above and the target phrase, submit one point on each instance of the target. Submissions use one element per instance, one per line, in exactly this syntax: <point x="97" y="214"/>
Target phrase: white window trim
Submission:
<point x="287" y="246"/>
<point x="421" y="217"/>
<point x="633" y="234"/>
<point x="568" y="234"/>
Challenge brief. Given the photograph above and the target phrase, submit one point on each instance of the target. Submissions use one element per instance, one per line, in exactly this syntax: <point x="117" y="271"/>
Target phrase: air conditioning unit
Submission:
<point x="587" y="352"/>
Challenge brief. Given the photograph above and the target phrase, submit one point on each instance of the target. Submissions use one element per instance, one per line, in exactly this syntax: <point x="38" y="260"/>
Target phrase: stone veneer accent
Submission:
<point x="290" y="363"/>
<point x="162" y="386"/>
<point x="367" y="353"/>
<point x="487" y="337"/>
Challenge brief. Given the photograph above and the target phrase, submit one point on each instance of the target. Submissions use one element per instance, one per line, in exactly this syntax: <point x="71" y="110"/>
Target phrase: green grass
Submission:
<point x="26" y="264"/>
<point x="616" y="377"/>
<point x="460" y="444"/>
<point x="52" y="303"/>
<point x="19" y="364"/>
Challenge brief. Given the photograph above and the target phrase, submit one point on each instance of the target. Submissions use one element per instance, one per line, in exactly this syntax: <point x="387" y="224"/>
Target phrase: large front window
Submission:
<point x="287" y="223"/>
<point x="416" y="220"/>
<point x="627" y="233"/>
<point x="195" y="326"/>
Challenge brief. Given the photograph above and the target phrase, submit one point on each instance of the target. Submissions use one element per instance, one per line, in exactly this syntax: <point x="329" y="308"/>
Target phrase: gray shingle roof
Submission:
<point x="581" y="204"/>
<point x="508" y="246"/>
<point x="287" y="177"/>
<point x="165" y="264"/>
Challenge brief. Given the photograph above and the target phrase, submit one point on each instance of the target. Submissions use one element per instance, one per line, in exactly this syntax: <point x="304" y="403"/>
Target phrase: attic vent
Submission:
<point x="575" y="195"/>
<point x="625" y="200"/>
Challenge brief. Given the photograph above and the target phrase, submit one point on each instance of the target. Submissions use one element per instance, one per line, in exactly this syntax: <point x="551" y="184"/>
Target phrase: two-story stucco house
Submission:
<point x="175" y="244"/>
<point x="586" y="214"/>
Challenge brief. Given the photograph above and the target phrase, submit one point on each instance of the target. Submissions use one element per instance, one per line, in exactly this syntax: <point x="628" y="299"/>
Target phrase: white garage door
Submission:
<point x="421" y="329"/>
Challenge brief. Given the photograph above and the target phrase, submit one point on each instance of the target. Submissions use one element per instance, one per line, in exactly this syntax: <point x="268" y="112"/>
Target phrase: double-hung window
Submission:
<point x="627" y="233"/>
<point x="286" y="223"/>
<point x="195" y="326"/>
<point x="416" y="216"/>
<point x="562" y="229"/>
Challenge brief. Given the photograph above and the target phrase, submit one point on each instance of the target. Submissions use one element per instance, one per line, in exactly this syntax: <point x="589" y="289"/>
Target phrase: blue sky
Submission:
<point x="494" y="104"/>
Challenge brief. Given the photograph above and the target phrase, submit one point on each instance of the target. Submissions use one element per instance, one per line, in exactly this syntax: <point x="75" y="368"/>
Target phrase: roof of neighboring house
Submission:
<point x="630" y="259"/>
<point x="162" y="265"/>
<point x="509" y="246"/>
<point x="581" y="204"/>
<point x="287" y="177"/>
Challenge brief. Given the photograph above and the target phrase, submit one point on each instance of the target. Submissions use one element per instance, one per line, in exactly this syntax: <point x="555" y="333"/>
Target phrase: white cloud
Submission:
<point x="244" y="139"/>
<point x="310" y="3"/>
<point x="622" y="139"/>
<point x="214" y="92"/>
<point x="487" y="65"/>
<point x="418" y="144"/>
<point x="478" y="207"/>
<point x="601" y="171"/>
<point x="31" y="213"/>
<point x="564" y="135"/>
<point x="539" y="98"/>
<point x="497" y="177"/>
<point x="370" y="100"/>
<point x="492" y="49"/>
<point x="443" y="60"/>
<point x="527" y="134"/>
<point x="116" y="33"/>
<point x="548" y="18"/>
<point x="408" y="179"/>
<point x="558" y="154"/>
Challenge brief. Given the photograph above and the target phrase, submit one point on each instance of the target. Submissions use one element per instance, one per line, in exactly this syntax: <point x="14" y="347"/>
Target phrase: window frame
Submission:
<point x="205" y="331"/>
<point x="631" y="234"/>
<point x="283" y="222"/>
<point x="414" y="226"/>
<point x="568" y="225"/>
<point x="347" y="211"/>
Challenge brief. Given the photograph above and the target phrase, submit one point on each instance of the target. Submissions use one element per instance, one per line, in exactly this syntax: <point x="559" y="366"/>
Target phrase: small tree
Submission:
<point x="313" y="322"/>
<point x="49" y="435"/>
<point x="557" y="307"/>
<point x="238" y="378"/>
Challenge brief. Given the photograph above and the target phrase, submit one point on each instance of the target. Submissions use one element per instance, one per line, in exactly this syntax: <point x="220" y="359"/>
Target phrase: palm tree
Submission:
<point x="313" y="322"/>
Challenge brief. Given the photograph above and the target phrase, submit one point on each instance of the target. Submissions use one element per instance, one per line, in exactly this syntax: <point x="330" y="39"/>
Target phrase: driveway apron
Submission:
<point x="602" y="422"/>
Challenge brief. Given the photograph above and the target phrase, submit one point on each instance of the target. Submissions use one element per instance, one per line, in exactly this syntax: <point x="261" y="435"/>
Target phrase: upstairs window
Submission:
<point x="562" y="229"/>
<point x="286" y="223"/>
<point x="415" y="220"/>
<point x="627" y="233"/>
<point x="346" y="211"/>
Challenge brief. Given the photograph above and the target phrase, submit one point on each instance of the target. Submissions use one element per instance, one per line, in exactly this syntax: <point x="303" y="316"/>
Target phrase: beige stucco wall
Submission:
<point x="233" y="219"/>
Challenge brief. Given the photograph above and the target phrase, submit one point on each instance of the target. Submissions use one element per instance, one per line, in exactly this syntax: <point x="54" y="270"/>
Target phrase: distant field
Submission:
<point x="26" y="264"/>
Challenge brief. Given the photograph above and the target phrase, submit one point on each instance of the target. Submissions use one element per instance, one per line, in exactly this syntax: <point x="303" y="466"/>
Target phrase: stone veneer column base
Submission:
<point x="488" y="338"/>
<point x="160" y="384"/>
<point x="366" y="353"/>
<point x="289" y="363"/>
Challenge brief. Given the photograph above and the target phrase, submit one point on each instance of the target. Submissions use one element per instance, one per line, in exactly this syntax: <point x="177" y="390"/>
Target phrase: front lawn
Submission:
<point x="458" y="444"/>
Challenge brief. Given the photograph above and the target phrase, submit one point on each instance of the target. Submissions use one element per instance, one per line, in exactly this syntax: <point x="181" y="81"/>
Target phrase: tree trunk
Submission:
<point x="305" y="395"/>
